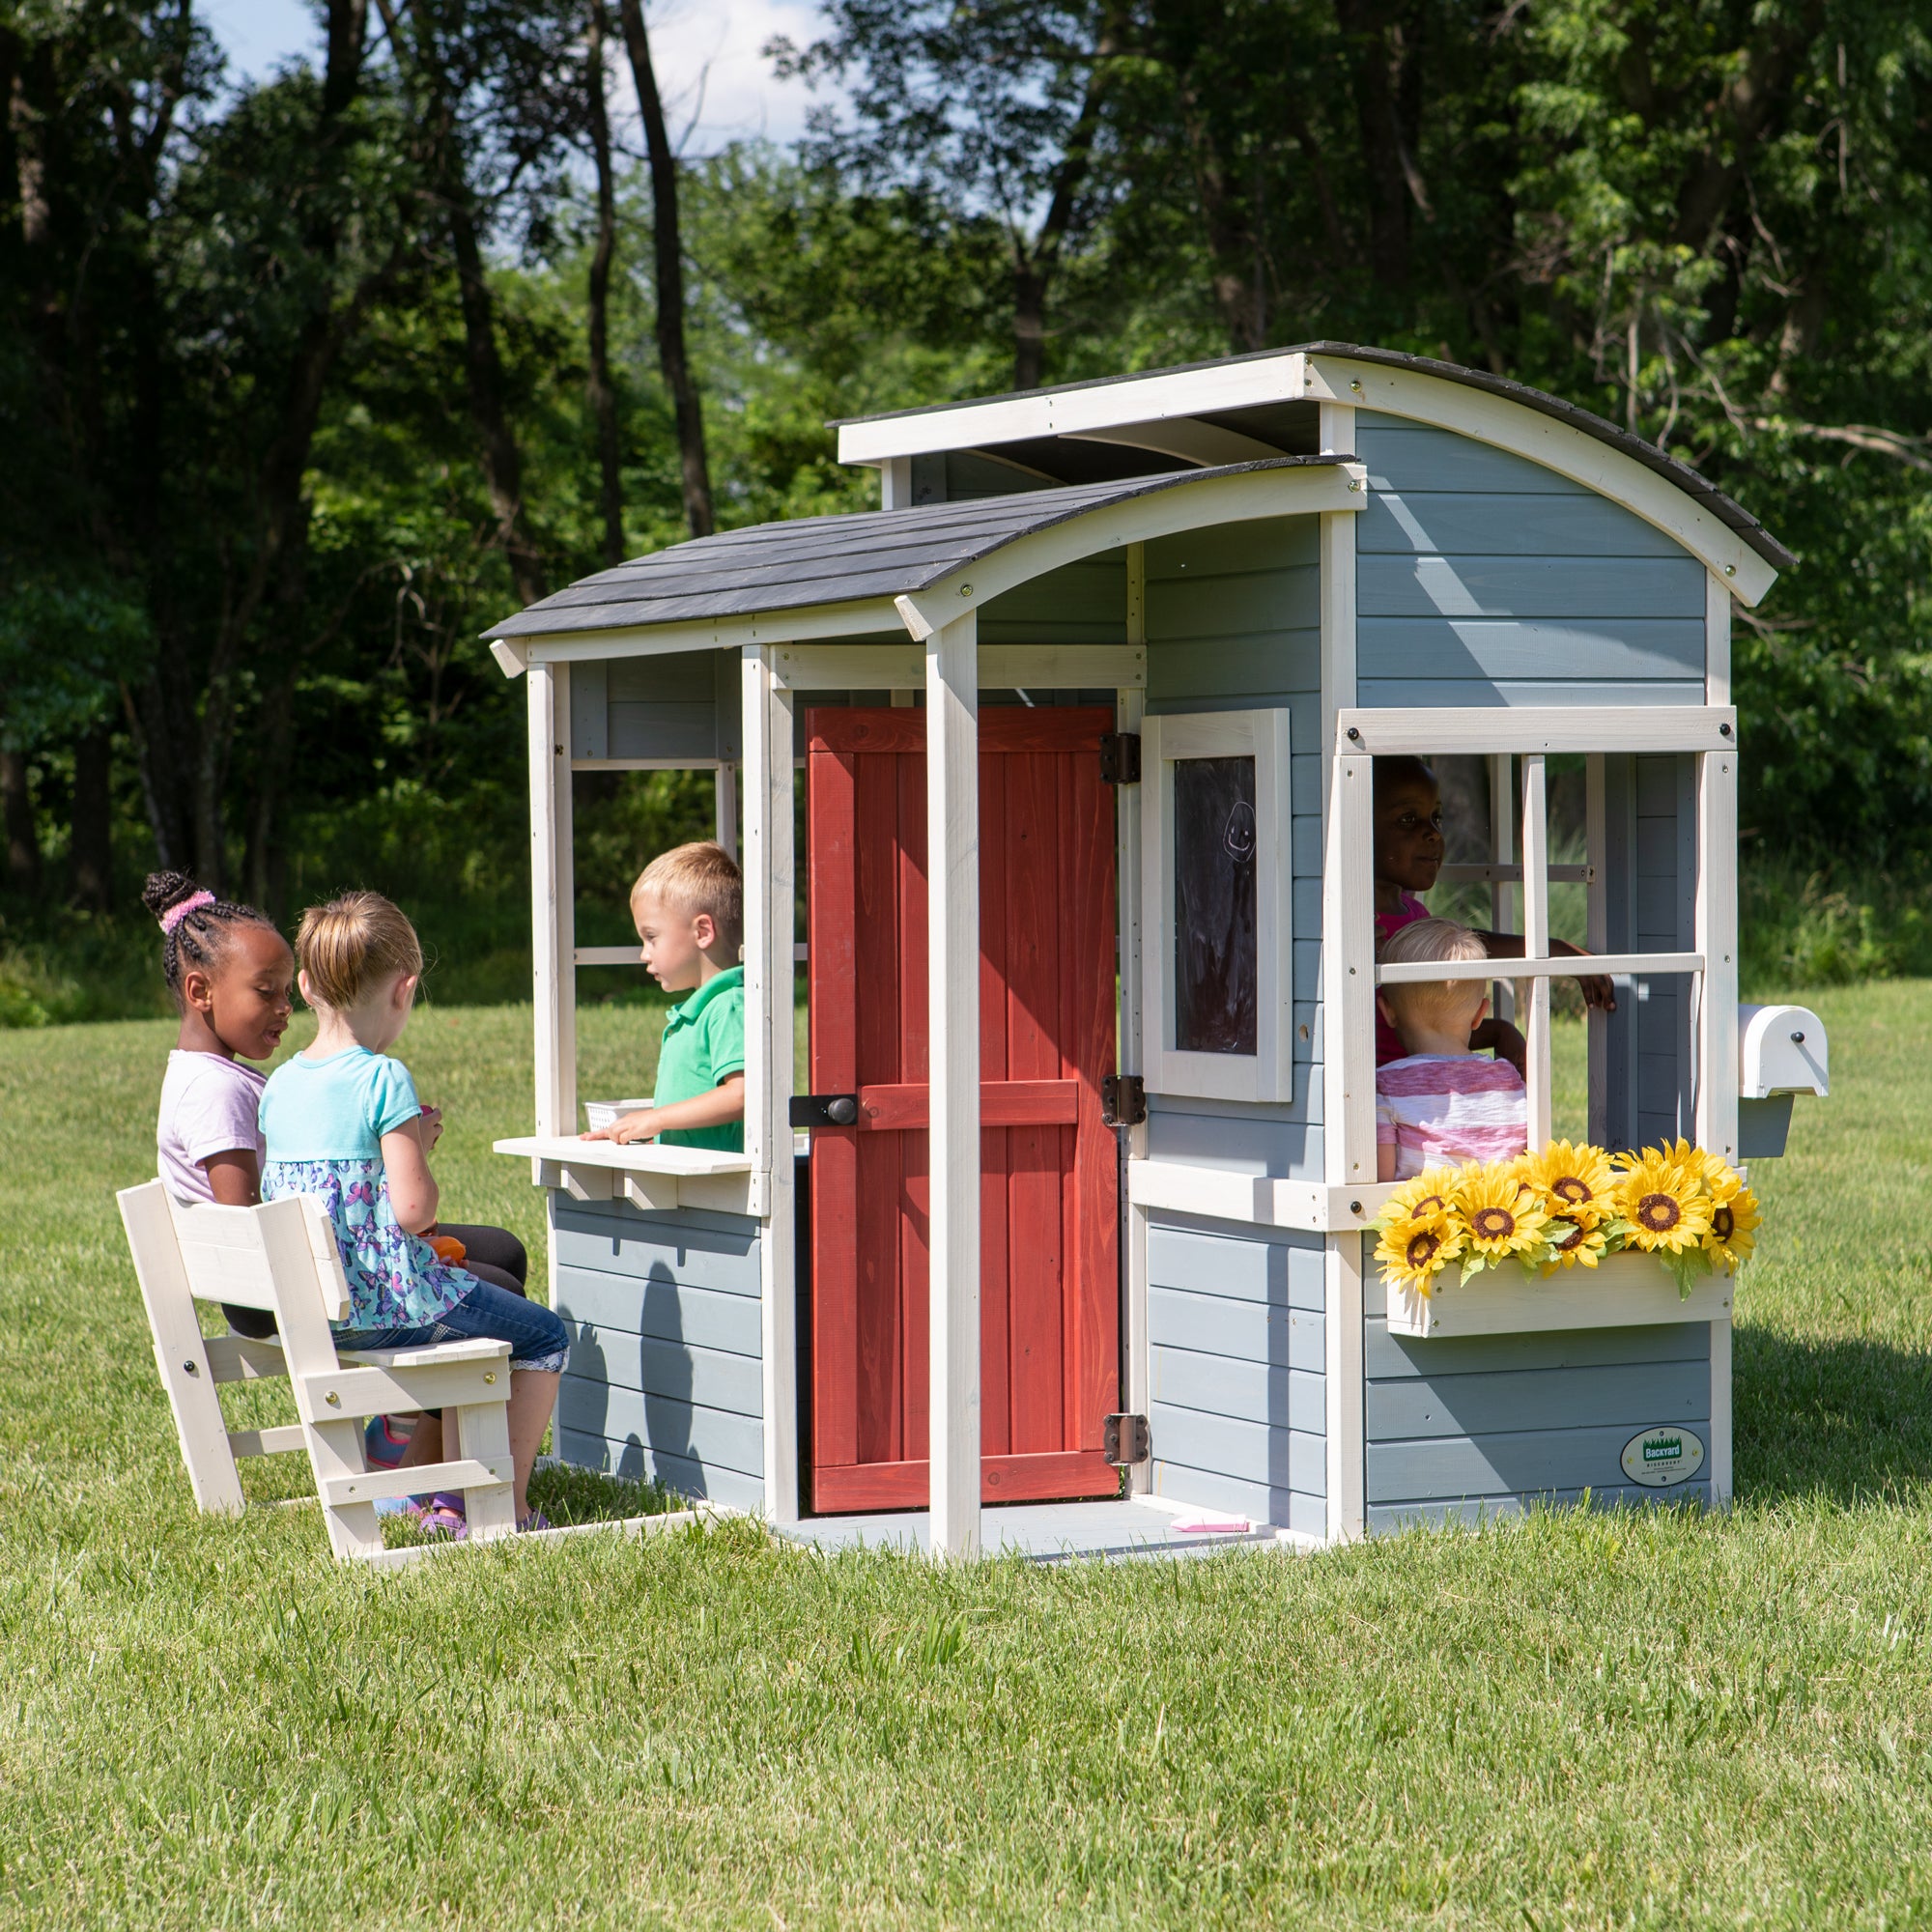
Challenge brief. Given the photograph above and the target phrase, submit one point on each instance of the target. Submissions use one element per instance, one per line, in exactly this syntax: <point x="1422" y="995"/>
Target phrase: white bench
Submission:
<point x="282" y="1257"/>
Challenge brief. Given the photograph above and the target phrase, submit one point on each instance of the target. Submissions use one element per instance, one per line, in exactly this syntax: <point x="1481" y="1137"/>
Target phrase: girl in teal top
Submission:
<point x="342" y="1123"/>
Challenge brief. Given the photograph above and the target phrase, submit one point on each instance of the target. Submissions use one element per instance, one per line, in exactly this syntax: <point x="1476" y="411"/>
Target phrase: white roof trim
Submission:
<point x="1233" y="498"/>
<point x="1105" y="405"/>
<point x="1556" y="446"/>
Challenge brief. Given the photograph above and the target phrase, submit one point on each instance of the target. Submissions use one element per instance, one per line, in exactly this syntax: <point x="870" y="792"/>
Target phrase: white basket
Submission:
<point x="601" y="1113"/>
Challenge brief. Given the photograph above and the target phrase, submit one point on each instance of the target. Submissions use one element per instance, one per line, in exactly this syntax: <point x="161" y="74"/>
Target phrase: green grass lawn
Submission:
<point x="1654" y="1719"/>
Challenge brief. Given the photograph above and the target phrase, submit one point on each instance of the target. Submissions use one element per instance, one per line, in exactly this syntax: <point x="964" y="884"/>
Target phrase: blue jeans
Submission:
<point x="536" y="1334"/>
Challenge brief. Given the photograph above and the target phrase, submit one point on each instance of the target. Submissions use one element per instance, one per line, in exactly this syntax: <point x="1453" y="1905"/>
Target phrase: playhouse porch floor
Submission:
<point x="1048" y="1532"/>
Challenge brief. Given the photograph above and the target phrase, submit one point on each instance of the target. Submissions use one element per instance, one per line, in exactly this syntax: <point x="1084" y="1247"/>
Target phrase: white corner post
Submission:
<point x="770" y="1012"/>
<point x="952" y="992"/>
<point x="552" y="915"/>
<point x="896" y="483"/>
<point x="1716" y="1039"/>
<point x="1536" y="940"/>
<point x="1347" y="1062"/>
<point x="1597" y="937"/>
<point x="1129" y="707"/>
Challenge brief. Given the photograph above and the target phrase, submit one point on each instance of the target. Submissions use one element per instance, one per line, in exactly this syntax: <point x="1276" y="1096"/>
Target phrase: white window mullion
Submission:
<point x="1503" y="854"/>
<point x="1535" y="939"/>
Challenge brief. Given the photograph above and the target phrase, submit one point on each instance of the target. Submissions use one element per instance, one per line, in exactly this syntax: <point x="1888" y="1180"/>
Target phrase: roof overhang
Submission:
<point x="1163" y="411"/>
<point x="1161" y="506"/>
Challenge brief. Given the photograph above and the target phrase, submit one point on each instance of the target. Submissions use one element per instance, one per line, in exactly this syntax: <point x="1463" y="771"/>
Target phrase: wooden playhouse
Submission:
<point x="1082" y="720"/>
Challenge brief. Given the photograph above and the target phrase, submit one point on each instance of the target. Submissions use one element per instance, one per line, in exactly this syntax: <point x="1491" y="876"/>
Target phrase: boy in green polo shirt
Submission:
<point x="689" y="905"/>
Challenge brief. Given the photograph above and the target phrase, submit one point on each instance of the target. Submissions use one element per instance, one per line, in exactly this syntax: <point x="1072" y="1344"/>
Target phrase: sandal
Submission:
<point x="536" y="1519"/>
<point x="440" y="1515"/>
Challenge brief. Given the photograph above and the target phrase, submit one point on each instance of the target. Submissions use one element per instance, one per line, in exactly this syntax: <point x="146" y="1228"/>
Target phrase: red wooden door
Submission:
<point x="1050" y="1187"/>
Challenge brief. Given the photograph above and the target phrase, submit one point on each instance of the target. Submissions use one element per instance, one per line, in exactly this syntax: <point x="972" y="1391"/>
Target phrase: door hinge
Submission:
<point x="1120" y="759"/>
<point x="825" y="1110"/>
<point x="1122" y="1100"/>
<point x="1124" y="1440"/>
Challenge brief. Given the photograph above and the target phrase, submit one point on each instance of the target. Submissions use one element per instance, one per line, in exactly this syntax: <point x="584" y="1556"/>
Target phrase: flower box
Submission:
<point x="1624" y="1290"/>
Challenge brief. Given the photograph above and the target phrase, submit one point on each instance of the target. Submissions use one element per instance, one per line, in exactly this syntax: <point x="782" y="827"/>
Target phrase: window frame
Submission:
<point x="1267" y="1074"/>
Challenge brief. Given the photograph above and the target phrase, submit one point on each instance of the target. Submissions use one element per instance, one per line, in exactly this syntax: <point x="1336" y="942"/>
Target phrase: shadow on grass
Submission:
<point x="1848" y="1420"/>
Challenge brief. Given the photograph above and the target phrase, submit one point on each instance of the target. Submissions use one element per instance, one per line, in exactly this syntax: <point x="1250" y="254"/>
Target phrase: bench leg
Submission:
<point x="483" y="1433"/>
<point x="335" y="1449"/>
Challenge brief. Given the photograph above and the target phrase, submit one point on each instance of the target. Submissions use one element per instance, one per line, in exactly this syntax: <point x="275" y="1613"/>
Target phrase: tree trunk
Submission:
<point x="669" y="252"/>
<point x="1386" y="76"/>
<point x="1033" y="267"/>
<point x="603" y="396"/>
<point x="91" y="826"/>
<point x="23" y="844"/>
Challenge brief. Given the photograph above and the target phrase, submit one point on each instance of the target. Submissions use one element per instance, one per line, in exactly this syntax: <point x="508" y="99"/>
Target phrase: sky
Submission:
<point x="716" y="84"/>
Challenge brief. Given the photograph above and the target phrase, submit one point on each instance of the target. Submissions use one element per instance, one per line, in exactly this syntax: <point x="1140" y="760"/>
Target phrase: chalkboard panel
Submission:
<point x="1216" y="946"/>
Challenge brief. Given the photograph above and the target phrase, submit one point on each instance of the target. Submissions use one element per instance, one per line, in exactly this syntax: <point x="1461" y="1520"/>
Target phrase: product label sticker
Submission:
<point x="1662" y="1456"/>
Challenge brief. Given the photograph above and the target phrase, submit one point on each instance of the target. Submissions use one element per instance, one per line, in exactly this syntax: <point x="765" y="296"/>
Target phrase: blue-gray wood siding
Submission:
<point x="1483" y="579"/>
<point x="665" y="1377"/>
<point x="1237" y="1356"/>
<point x="1649" y="886"/>
<point x="1233" y="623"/>
<point x="684" y="706"/>
<point x="1485" y="1425"/>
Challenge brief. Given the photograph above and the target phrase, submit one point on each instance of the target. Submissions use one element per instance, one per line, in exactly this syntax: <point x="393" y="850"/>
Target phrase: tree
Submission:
<point x="668" y="248"/>
<point x="998" y="106"/>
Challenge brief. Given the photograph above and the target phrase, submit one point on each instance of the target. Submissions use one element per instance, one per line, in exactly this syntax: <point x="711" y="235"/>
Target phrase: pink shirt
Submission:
<point x="209" y="1105"/>
<point x="1388" y="1042"/>
<point x="1440" y="1109"/>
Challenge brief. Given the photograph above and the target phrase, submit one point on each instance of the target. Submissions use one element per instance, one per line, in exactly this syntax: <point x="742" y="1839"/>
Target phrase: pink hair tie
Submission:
<point x="174" y="914"/>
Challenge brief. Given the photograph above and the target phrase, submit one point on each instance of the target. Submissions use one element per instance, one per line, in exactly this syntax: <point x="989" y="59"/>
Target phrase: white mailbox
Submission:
<point x="1781" y="1050"/>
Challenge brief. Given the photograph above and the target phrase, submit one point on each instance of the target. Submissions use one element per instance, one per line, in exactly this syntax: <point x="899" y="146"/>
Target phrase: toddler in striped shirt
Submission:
<point x="1441" y="1104"/>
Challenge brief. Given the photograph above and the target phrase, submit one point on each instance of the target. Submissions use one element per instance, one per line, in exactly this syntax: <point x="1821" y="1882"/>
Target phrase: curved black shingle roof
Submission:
<point x="835" y="559"/>
<point x="1732" y="515"/>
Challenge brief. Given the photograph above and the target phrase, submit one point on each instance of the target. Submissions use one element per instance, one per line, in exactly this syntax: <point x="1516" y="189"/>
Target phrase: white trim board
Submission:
<point x="899" y="665"/>
<point x="1107" y="406"/>
<point x="1166" y="740"/>
<point x="1631" y="727"/>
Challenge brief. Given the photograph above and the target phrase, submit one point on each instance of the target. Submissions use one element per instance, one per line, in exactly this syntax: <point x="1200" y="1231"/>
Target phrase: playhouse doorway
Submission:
<point x="1050" y="1167"/>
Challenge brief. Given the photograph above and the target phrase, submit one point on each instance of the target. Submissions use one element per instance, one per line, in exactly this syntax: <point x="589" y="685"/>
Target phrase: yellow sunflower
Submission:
<point x="1428" y="1193"/>
<point x="1734" y="1224"/>
<point x="1571" y="1179"/>
<point x="1417" y="1250"/>
<point x="1664" y="1203"/>
<point x="1586" y="1241"/>
<point x="1501" y="1217"/>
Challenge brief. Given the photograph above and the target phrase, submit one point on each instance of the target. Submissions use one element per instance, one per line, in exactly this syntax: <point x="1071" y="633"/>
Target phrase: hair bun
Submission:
<point x="164" y="889"/>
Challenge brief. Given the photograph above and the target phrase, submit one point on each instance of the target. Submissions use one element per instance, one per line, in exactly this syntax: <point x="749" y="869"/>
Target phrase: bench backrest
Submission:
<point x="234" y="1254"/>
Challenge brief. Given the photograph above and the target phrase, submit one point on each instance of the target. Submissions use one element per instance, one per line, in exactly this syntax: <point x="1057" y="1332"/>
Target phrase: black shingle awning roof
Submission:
<point x="835" y="559"/>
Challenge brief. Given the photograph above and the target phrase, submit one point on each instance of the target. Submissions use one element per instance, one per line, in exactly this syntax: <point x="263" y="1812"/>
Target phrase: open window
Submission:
<point x="1687" y="980"/>
<point x="1219" y="982"/>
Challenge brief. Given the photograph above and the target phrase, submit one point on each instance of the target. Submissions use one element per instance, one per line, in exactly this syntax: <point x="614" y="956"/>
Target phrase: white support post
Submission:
<point x="1130" y="703"/>
<point x="1502" y="852"/>
<point x="553" y="920"/>
<point x="896" y="483"/>
<point x="769" y="1014"/>
<point x="1343" y="1340"/>
<point x="1535" y="939"/>
<point x="724" y="791"/>
<point x="953" y="902"/>
<point x="1347" y="996"/>
<point x="1597" y="938"/>
<point x="1348" y="973"/>
<point x="1718" y="940"/>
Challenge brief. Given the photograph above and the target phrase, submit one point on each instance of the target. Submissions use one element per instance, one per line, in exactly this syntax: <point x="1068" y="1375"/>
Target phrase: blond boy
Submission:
<point x="688" y="908"/>
<point x="1441" y="1104"/>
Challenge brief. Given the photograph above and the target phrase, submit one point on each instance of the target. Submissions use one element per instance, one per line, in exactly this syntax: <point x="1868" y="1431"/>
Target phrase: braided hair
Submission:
<point x="198" y="936"/>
